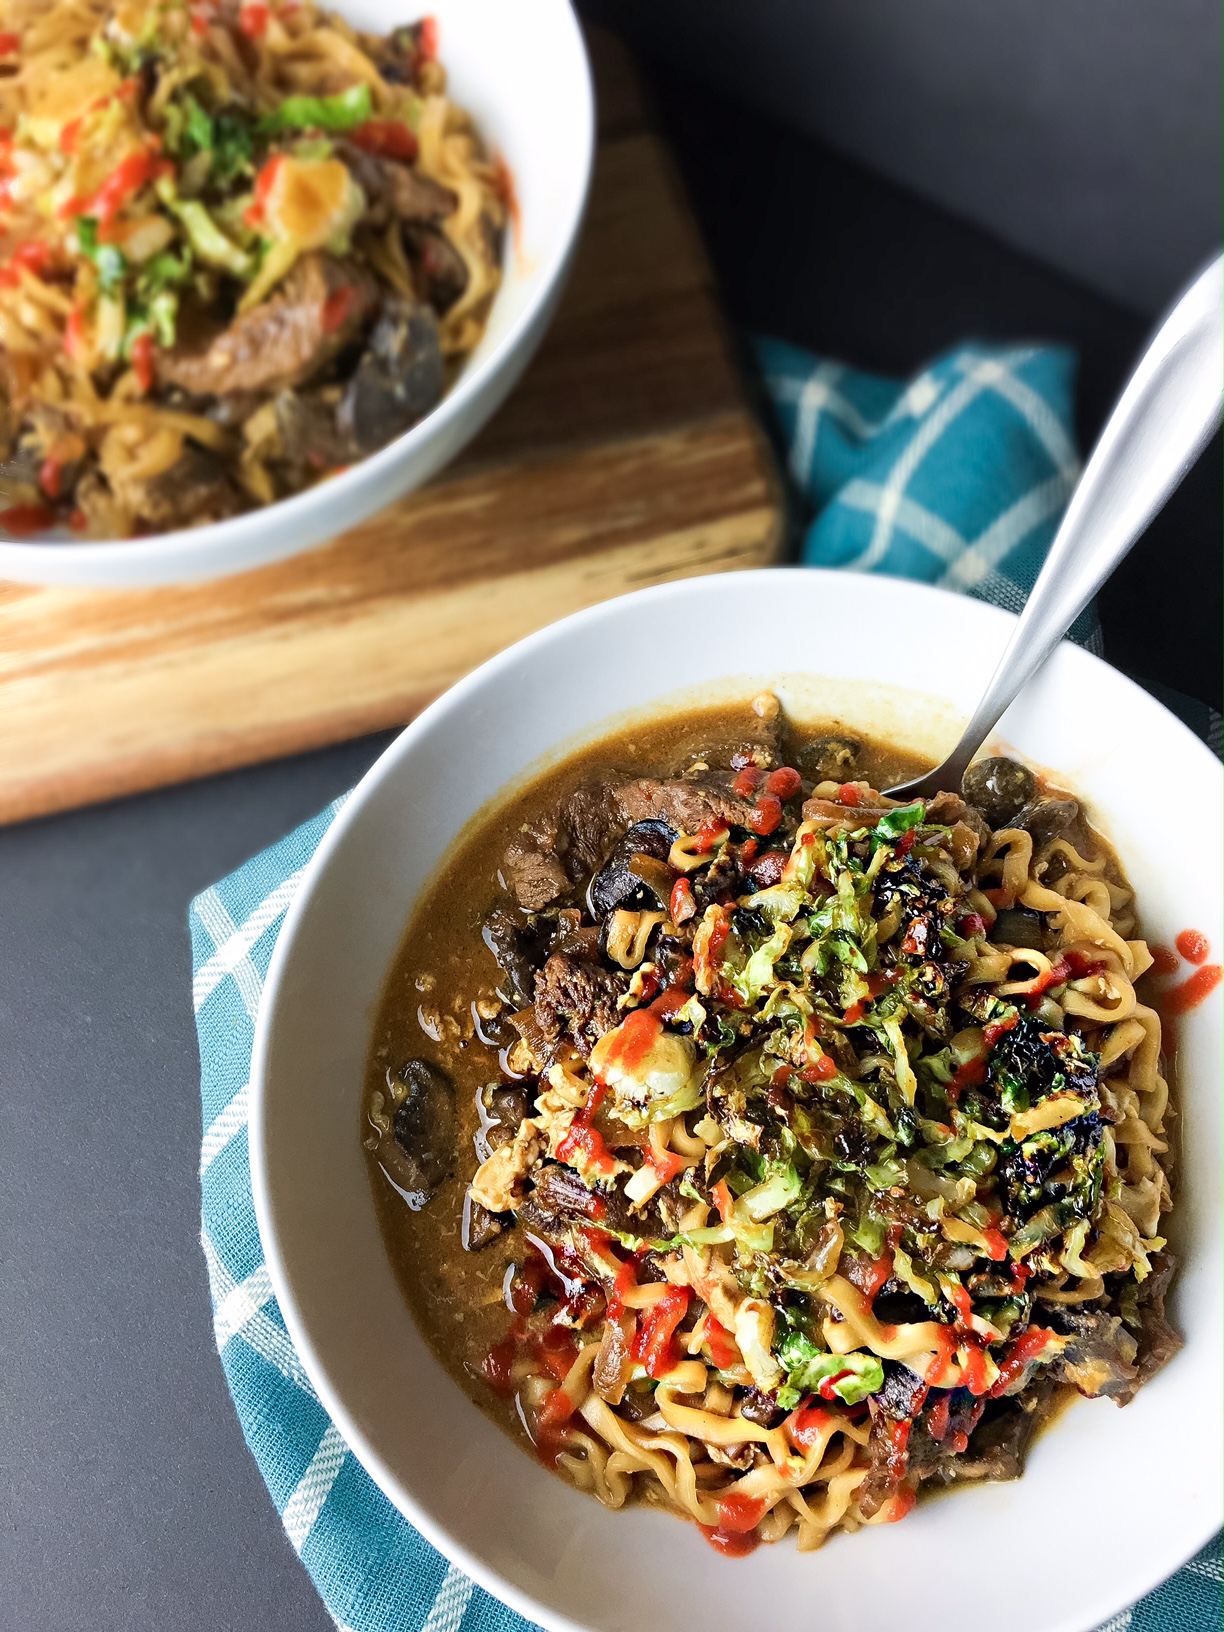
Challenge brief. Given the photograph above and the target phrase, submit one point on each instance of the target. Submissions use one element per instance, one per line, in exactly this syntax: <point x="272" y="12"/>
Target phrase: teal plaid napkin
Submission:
<point x="957" y="478"/>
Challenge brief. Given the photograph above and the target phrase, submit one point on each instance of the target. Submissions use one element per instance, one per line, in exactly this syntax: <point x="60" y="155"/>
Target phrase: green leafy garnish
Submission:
<point x="110" y="261"/>
<point x="807" y="1366"/>
<point x="344" y="111"/>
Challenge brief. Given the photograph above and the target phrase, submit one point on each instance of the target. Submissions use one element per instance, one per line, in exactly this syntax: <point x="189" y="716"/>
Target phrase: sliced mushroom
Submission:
<point x="398" y="380"/>
<point x="424" y="1130"/>
<point x="999" y="788"/>
<point x="625" y="879"/>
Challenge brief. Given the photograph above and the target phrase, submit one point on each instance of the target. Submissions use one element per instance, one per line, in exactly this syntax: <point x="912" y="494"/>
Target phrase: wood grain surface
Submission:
<point x="626" y="456"/>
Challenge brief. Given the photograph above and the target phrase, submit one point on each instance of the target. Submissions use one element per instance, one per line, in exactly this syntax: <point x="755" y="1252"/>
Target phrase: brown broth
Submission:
<point x="426" y="1011"/>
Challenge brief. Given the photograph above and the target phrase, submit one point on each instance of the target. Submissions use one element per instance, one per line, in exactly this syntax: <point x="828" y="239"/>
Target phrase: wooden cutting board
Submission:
<point x="628" y="455"/>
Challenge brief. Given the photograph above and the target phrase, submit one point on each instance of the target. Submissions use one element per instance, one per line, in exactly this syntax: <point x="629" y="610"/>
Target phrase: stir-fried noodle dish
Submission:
<point x="764" y="1148"/>
<point x="241" y="246"/>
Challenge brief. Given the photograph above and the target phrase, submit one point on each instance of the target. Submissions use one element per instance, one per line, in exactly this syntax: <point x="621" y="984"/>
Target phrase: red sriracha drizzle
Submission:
<point x="806" y="1423"/>
<point x="722" y="1347"/>
<point x="1193" y="945"/>
<point x="653" y="1346"/>
<point x="26" y="518"/>
<point x="582" y="1138"/>
<point x="1020" y="1351"/>
<point x="1191" y="992"/>
<point x="766" y="815"/>
<point x="253" y="20"/>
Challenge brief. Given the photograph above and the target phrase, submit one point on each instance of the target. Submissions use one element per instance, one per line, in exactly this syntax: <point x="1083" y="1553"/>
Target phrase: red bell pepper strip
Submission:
<point x="388" y="138"/>
<point x="142" y="361"/>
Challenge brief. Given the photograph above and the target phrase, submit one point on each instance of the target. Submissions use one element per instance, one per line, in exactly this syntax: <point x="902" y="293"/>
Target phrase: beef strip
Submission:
<point x="398" y="380"/>
<point x="685" y="803"/>
<point x="578" y="1000"/>
<point x="1158" y="1342"/>
<point x="1100" y="1359"/>
<point x="563" y="846"/>
<point x="441" y="272"/>
<point x="560" y="1198"/>
<point x="394" y="189"/>
<point x="193" y="490"/>
<point x="536" y="877"/>
<point x="520" y="949"/>
<point x="285" y="340"/>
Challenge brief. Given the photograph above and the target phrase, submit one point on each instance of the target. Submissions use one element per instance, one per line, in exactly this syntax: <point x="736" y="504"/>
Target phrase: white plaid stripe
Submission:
<point x="1118" y="1622"/>
<point x="241" y="1304"/>
<point x="814" y="399"/>
<point x="1006" y="531"/>
<point x="450" y="1606"/>
<point x="234" y="943"/>
<point x="258" y="1331"/>
<point x="314" y="1487"/>
<point x="1211" y="1569"/>
<point x="1046" y="426"/>
<point x="224" y="1126"/>
<point x="785" y="389"/>
<point x="922" y="524"/>
<point x="978" y="376"/>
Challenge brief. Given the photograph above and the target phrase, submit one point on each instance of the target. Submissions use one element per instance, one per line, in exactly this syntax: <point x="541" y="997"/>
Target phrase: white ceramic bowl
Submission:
<point x="521" y="71"/>
<point x="1113" y="1500"/>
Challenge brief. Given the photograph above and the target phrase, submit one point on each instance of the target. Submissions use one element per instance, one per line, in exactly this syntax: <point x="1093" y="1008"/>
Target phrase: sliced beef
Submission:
<point x="195" y="489"/>
<point x="395" y="189"/>
<point x="398" y="380"/>
<point x="560" y="1198"/>
<point x="1100" y="1359"/>
<point x="322" y="307"/>
<point x="479" y="1225"/>
<point x="536" y="877"/>
<point x="888" y="1449"/>
<point x="685" y="803"/>
<point x="1158" y="1342"/>
<point x="578" y="1000"/>
<point x="564" y="846"/>
<point x="441" y="272"/>
<point x="520" y="949"/>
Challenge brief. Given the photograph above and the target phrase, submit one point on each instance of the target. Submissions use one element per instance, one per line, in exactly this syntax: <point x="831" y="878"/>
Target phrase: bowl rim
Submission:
<point x="385" y="767"/>
<point x="82" y="564"/>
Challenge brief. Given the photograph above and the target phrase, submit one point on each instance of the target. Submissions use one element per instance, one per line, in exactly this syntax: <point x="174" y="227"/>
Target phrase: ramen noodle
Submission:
<point x="241" y="246"/>
<point x="820" y="1139"/>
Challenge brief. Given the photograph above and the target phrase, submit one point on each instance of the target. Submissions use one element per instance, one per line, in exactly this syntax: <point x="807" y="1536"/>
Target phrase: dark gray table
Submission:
<point x="129" y="1499"/>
